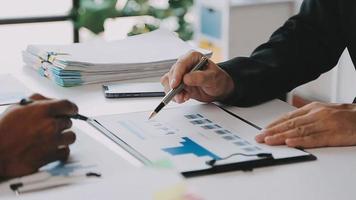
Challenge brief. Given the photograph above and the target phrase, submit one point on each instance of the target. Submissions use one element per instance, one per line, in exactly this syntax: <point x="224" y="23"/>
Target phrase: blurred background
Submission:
<point x="228" y="27"/>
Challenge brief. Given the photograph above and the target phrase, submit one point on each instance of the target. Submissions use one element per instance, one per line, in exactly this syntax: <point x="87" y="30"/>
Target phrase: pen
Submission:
<point x="170" y="95"/>
<point x="26" y="101"/>
<point x="45" y="180"/>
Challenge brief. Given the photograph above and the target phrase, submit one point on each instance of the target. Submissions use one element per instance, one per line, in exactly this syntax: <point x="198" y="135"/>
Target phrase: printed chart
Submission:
<point x="188" y="137"/>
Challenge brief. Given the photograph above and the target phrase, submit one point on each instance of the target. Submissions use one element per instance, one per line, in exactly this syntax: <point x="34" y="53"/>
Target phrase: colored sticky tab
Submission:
<point x="51" y="58"/>
<point x="215" y="48"/>
<point x="176" y="192"/>
<point x="162" y="164"/>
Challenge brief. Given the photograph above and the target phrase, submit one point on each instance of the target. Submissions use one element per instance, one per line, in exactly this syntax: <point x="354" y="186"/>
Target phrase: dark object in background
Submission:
<point x="131" y="90"/>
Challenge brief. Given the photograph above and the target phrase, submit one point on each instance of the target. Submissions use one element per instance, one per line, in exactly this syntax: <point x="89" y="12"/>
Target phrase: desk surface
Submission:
<point x="332" y="176"/>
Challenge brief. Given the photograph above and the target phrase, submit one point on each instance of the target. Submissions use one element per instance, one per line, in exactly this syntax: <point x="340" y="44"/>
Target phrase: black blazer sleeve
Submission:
<point x="306" y="46"/>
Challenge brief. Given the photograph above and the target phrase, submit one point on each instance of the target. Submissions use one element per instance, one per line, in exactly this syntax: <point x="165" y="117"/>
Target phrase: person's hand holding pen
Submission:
<point x="34" y="135"/>
<point x="207" y="85"/>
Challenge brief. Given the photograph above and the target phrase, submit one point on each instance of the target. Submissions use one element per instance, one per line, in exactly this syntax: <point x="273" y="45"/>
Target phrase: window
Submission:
<point x="14" y="38"/>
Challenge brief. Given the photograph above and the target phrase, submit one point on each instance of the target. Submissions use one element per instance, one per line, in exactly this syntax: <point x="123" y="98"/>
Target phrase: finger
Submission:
<point x="197" y="94"/>
<point x="290" y="115"/>
<point x="199" y="78"/>
<point x="179" y="98"/>
<point x="290" y="124"/>
<point x="165" y="83"/>
<point x="186" y="97"/>
<point x="312" y="141"/>
<point x="286" y="126"/>
<point x="59" y="108"/>
<point x="38" y="154"/>
<point x="57" y="155"/>
<point x="302" y="131"/>
<point x="189" y="91"/>
<point x="37" y="97"/>
<point x="63" y="123"/>
<point x="171" y="80"/>
<point x="183" y="66"/>
<point x="62" y="154"/>
<point x="67" y="138"/>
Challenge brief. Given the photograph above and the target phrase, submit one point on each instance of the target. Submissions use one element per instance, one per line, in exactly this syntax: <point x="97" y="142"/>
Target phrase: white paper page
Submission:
<point x="151" y="47"/>
<point x="124" y="185"/>
<point x="3" y="109"/>
<point x="118" y="181"/>
<point x="12" y="90"/>
<point x="273" y="109"/>
<point x="190" y="136"/>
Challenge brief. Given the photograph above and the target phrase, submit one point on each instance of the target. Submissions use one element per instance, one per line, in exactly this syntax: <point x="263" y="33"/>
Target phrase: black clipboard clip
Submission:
<point x="213" y="162"/>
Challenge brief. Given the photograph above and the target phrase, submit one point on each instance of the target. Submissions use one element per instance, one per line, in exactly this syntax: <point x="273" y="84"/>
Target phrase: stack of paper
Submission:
<point x="147" y="55"/>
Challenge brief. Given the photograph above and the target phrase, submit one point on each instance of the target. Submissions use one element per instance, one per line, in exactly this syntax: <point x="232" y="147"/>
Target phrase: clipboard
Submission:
<point x="139" y="151"/>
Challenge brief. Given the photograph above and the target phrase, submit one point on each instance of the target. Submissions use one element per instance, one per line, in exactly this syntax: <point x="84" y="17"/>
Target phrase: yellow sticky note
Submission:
<point x="176" y="192"/>
<point x="217" y="51"/>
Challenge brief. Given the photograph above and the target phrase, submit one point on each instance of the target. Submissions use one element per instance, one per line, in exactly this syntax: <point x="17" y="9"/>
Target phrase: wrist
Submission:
<point x="228" y="87"/>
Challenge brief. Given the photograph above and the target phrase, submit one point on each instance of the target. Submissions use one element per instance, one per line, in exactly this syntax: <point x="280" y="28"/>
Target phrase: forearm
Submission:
<point x="306" y="46"/>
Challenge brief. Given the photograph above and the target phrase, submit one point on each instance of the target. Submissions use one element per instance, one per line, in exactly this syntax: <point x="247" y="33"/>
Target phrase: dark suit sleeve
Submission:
<point x="306" y="46"/>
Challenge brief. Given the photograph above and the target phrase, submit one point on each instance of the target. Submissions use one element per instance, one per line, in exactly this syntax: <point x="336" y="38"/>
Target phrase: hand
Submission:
<point x="32" y="136"/>
<point x="314" y="125"/>
<point x="208" y="85"/>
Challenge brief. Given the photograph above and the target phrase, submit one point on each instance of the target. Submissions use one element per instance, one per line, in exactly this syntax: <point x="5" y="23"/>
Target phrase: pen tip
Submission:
<point x="153" y="114"/>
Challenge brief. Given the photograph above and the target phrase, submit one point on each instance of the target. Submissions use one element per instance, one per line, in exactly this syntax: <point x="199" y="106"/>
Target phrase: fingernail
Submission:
<point x="62" y="147"/>
<point x="264" y="130"/>
<point x="289" y="143"/>
<point x="264" y="133"/>
<point x="268" y="138"/>
<point x="173" y="81"/>
<point x="259" y="138"/>
<point x="177" y="100"/>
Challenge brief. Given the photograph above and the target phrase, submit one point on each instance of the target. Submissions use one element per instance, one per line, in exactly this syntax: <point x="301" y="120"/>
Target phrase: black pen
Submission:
<point x="170" y="95"/>
<point x="45" y="180"/>
<point x="26" y="101"/>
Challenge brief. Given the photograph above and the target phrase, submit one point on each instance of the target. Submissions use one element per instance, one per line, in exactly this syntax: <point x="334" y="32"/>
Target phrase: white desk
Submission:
<point x="332" y="176"/>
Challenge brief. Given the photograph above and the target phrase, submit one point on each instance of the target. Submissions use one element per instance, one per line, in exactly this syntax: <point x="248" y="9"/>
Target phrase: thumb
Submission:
<point x="183" y="66"/>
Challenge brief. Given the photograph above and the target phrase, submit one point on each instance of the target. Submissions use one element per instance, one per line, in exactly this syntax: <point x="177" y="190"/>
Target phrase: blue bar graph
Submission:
<point x="190" y="147"/>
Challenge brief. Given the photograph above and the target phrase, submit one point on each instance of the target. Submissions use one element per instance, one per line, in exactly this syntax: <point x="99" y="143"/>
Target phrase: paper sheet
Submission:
<point x="142" y="56"/>
<point x="12" y="90"/>
<point x="190" y="136"/>
<point x="119" y="180"/>
<point x="145" y="48"/>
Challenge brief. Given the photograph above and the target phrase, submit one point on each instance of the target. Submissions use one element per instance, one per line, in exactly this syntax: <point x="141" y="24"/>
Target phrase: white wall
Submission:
<point x="346" y="79"/>
<point x="298" y="3"/>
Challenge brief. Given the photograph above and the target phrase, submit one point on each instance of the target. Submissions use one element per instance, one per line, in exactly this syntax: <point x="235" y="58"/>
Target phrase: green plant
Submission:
<point x="93" y="13"/>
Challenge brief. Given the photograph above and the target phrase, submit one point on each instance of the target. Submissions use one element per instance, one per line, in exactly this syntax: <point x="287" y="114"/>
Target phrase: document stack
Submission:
<point x="146" y="55"/>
